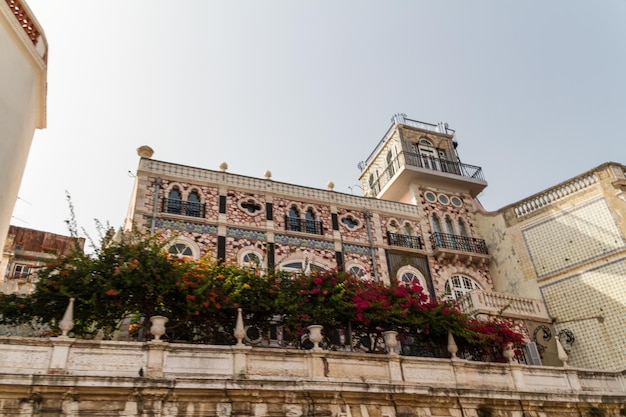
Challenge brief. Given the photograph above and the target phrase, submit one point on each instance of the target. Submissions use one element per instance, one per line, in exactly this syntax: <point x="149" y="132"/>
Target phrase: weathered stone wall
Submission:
<point x="67" y="377"/>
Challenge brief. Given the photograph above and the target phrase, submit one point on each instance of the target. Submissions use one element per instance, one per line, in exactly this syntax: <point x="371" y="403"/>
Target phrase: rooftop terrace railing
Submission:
<point x="400" y="119"/>
<point x="426" y="162"/>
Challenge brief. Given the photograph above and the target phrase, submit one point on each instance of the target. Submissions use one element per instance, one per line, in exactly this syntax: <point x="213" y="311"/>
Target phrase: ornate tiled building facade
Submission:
<point x="428" y="234"/>
<point x="414" y="222"/>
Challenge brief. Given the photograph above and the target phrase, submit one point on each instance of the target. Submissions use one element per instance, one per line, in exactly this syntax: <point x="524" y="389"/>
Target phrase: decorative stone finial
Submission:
<point x="240" y="330"/>
<point x="67" y="322"/>
<point x="268" y="174"/>
<point x="562" y="355"/>
<point x="223" y="166"/>
<point x="145" y="151"/>
<point x="330" y="185"/>
<point x="452" y="347"/>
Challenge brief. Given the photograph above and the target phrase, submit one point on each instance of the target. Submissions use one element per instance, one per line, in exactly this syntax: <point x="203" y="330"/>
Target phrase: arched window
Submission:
<point x="357" y="271"/>
<point x="452" y="239"/>
<point x="459" y="285"/>
<point x="449" y="226"/>
<point x="409" y="275"/>
<point x="428" y="154"/>
<point x="184" y="247"/>
<point x="462" y="228"/>
<point x="174" y="201"/>
<point x="436" y="224"/>
<point x="408" y="230"/>
<point x="193" y="204"/>
<point x="300" y="266"/>
<point x="466" y="244"/>
<point x="310" y="221"/>
<point x="250" y="258"/>
<point x="294" y="219"/>
<point x="438" y="238"/>
<point x="180" y="249"/>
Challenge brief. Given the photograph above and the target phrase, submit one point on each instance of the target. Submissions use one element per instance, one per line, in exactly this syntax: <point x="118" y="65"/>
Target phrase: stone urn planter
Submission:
<point x="158" y="327"/>
<point x="315" y="335"/>
<point x="391" y="341"/>
<point x="508" y="352"/>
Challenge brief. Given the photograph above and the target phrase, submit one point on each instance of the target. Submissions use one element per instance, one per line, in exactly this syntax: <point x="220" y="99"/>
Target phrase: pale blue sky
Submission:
<point x="534" y="89"/>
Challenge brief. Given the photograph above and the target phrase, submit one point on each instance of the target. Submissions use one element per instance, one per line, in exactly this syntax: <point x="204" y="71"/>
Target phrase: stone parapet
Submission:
<point x="134" y="378"/>
<point x="266" y="186"/>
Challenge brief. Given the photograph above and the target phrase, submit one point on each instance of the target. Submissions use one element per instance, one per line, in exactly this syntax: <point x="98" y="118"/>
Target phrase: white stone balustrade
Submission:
<point x="111" y="359"/>
<point x="495" y="303"/>
<point x="546" y="198"/>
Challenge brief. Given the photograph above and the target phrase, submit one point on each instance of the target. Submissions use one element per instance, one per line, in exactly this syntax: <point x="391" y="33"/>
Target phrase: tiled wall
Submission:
<point x="592" y="305"/>
<point x="572" y="237"/>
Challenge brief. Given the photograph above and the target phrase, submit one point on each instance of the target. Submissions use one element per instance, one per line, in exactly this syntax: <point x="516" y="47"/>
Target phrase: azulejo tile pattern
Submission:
<point x="245" y="233"/>
<point x="361" y="250"/>
<point x="185" y="226"/>
<point x="299" y="241"/>
<point x="597" y="344"/>
<point x="572" y="238"/>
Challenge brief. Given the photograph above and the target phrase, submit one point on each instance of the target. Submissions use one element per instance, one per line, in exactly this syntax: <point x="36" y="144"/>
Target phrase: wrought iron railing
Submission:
<point x="401" y="119"/>
<point x="296" y="224"/>
<point x="456" y="242"/>
<point x="405" y="241"/>
<point x="444" y="165"/>
<point x="184" y="208"/>
<point x="426" y="162"/>
<point x="347" y="339"/>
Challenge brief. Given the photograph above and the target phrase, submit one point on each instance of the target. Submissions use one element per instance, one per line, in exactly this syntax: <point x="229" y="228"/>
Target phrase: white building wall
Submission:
<point x="22" y="104"/>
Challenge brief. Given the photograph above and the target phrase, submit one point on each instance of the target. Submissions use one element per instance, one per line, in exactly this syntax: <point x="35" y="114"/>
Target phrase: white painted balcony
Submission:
<point x="507" y="305"/>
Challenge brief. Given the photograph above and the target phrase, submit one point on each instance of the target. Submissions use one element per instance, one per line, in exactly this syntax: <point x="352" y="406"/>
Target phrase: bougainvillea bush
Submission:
<point x="128" y="281"/>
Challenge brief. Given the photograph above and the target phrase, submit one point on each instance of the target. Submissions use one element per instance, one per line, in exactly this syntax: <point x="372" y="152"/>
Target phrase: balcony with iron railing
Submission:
<point x="429" y="168"/>
<point x="405" y="241"/>
<point x="295" y="224"/>
<point x="183" y="208"/>
<point x="446" y="246"/>
<point x="506" y="305"/>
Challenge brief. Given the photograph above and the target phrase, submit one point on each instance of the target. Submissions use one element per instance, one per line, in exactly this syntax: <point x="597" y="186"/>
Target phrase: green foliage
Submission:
<point x="134" y="277"/>
<point x="137" y="278"/>
<point x="321" y="297"/>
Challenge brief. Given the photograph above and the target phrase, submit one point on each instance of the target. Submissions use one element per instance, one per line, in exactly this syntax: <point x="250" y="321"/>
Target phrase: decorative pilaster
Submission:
<point x="156" y="357"/>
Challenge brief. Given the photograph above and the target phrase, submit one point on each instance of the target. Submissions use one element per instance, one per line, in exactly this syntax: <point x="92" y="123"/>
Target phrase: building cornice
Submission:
<point x="20" y="21"/>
